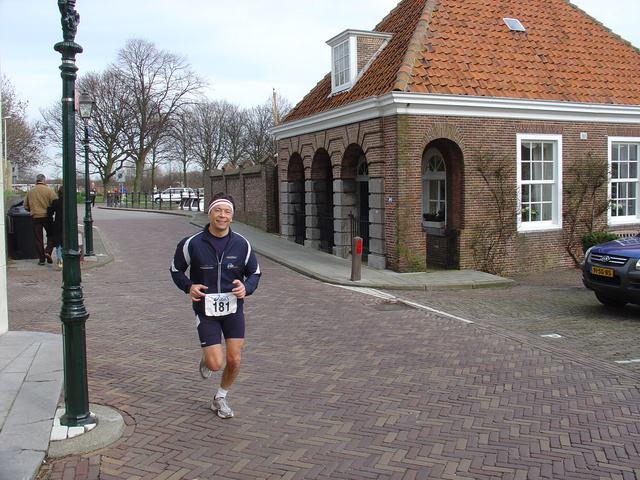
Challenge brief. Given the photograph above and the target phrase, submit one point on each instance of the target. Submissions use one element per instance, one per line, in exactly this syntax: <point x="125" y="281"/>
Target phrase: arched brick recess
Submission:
<point x="292" y="198"/>
<point x="333" y="143"/>
<point x="443" y="247"/>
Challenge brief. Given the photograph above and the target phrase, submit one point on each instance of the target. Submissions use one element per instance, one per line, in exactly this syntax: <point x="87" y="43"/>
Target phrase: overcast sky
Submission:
<point x="243" y="48"/>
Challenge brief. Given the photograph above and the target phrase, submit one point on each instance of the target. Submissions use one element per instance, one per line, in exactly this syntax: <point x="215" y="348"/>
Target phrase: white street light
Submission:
<point x="5" y="136"/>
<point x="5" y="160"/>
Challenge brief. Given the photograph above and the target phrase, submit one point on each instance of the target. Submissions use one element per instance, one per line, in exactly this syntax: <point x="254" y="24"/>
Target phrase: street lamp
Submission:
<point x="73" y="315"/>
<point x="6" y="154"/>
<point x="86" y="105"/>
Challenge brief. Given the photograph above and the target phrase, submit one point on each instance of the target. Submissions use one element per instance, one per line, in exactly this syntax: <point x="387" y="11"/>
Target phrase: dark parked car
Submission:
<point x="612" y="271"/>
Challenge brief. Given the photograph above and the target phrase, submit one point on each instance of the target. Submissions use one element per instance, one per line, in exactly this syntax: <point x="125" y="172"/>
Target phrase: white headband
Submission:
<point x="220" y="201"/>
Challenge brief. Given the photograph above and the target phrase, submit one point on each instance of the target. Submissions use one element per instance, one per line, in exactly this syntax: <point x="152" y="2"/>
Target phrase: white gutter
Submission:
<point x="400" y="103"/>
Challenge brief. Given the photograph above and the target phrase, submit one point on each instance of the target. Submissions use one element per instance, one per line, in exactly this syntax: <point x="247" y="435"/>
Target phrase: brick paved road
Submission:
<point x="544" y="304"/>
<point x="335" y="383"/>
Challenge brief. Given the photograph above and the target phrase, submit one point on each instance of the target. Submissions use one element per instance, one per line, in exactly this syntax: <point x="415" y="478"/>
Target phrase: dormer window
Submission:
<point x="341" y="66"/>
<point x="351" y="54"/>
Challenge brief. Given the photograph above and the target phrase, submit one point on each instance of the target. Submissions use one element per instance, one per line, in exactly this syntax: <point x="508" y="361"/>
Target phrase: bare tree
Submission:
<point x="259" y="142"/>
<point x="25" y="140"/>
<point x="235" y="131"/>
<point x="109" y="152"/>
<point x="180" y="141"/>
<point x="223" y="132"/>
<point x="52" y="131"/>
<point x="156" y="85"/>
<point x="208" y="120"/>
<point x="159" y="155"/>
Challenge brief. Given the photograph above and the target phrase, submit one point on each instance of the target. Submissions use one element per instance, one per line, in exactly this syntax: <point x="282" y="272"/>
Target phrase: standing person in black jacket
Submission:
<point x="54" y="239"/>
<point x="223" y="270"/>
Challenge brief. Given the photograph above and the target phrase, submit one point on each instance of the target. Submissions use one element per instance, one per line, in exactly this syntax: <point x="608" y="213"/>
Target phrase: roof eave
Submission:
<point x="402" y="103"/>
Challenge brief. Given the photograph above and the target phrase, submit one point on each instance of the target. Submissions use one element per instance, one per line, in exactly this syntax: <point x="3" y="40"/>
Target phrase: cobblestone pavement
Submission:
<point x="335" y="383"/>
<point x="547" y="304"/>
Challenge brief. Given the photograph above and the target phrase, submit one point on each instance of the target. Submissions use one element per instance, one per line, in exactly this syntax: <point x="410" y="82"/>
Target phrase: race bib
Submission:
<point x="219" y="304"/>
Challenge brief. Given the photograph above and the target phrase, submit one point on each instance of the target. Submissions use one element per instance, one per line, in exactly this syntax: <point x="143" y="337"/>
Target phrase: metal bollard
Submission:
<point x="356" y="259"/>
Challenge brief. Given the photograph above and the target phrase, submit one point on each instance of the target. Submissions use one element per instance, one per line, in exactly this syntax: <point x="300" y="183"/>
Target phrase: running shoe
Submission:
<point x="204" y="371"/>
<point x="222" y="408"/>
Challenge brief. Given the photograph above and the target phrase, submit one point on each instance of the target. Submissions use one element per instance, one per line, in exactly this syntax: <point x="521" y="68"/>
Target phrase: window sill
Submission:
<point x="430" y="224"/>
<point x="626" y="220"/>
<point x="433" y="228"/>
<point x="538" y="227"/>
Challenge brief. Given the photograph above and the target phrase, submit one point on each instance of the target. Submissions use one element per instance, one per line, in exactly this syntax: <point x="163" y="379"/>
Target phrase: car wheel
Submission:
<point x="610" y="302"/>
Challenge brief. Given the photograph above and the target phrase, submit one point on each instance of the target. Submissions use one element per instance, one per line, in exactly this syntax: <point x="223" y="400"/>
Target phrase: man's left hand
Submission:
<point x="239" y="291"/>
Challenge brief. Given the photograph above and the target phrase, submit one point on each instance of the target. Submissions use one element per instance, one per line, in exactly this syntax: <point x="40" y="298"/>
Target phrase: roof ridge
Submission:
<point x="598" y="22"/>
<point x="415" y="46"/>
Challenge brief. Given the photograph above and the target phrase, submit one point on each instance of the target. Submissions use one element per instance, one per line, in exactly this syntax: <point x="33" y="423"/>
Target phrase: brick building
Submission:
<point x="486" y="134"/>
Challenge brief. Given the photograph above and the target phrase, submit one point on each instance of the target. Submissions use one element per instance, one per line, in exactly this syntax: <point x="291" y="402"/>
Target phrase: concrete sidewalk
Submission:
<point x="31" y="379"/>
<point x="31" y="373"/>
<point x="335" y="270"/>
<point x="30" y="382"/>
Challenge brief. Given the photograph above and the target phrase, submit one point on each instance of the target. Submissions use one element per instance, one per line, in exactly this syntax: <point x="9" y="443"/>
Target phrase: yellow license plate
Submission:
<point x="605" y="272"/>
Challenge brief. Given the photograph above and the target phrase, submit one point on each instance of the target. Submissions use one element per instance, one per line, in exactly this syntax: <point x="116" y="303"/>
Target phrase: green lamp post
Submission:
<point x="72" y="314"/>
<point x="86" y="106"/>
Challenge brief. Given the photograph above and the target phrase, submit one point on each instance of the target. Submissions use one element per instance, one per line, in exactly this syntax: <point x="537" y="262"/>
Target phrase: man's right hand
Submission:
<point x="196" y="292"/>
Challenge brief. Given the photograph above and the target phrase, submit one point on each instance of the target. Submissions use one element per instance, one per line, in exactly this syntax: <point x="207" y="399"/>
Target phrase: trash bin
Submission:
<point x="21" y="241"/>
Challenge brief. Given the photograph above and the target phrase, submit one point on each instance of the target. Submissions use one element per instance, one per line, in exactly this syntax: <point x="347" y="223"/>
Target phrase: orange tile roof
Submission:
<point x="463" y="47"/>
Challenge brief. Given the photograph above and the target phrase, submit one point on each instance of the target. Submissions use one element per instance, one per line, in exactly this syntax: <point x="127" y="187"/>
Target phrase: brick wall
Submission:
<point x="394" y="147"/>
<point x="367" y="47"/>
<point x="252" y="188"/>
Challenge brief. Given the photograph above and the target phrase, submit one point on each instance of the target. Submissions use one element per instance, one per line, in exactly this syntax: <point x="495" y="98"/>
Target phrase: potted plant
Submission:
<point x="530" y="214"/>
<point x="431" y="221"/>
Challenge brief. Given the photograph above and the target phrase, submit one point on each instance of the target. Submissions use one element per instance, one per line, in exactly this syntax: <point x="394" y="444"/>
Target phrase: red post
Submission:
<point x="356" y="259"/>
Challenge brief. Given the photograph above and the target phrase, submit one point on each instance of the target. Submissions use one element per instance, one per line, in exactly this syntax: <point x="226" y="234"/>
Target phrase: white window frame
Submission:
<point x="341" y="65"/>
<point x="635" y="216"/>
<point x="555" y="223"/>
<point x="351" y="70"/>
<point x="439" y="177"/>
<point x="349" y="38"/>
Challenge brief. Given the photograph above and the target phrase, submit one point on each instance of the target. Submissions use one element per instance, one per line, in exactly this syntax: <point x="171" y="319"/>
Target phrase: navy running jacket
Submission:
<point x="197" y="254"/>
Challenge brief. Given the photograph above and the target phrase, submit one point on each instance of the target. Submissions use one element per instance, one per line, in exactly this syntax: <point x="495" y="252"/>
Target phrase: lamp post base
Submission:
<point x="73" y="421"/>
<point x="88" y="237"/>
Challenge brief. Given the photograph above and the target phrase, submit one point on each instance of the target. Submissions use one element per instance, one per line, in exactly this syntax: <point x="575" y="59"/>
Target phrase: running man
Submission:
<point x="223" y="270"/>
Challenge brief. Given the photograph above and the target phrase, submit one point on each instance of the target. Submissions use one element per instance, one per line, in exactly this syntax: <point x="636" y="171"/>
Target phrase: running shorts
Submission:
<point x="211" y="329"/>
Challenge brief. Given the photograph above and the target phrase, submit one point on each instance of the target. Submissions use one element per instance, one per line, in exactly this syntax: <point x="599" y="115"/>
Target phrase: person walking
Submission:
<point x="223" y="270"/>
<point x="36" y="203"/>
<point x="54" y="239"/>
<point x="93" y="194"/>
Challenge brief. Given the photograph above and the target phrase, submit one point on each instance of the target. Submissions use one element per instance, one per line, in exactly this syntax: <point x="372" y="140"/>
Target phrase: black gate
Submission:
<point x="360" y="228"/>
<point x="326" y="233"/>
<point x="299" y="226"/>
